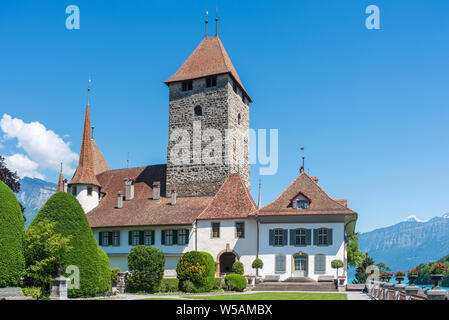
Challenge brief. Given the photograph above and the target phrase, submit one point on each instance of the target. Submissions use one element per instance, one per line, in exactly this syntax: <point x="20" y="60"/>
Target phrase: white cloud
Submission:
<point x="24" y="167"/>
<point x="43" y="147"/>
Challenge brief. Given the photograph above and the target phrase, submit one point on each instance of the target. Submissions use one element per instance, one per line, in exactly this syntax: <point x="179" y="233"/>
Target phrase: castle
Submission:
<point x="192" y="203"/>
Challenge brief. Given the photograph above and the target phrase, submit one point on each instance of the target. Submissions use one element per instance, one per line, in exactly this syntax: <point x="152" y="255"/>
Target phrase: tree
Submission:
<point x="197" y="268"/>
<point x="257" y="264"/>
<point x="337" y="264"/>
<point x="70" y="220"/>
<point x="11" y="179"/>
<point x="361" y="276"/>
<point x="44" y="251"/>
<point x="147" y="268"/>
<point x="383" y="267"/>
<point x="238" y="268"/>
<point x="354" y="255"/>
<point x="12" y="238"/>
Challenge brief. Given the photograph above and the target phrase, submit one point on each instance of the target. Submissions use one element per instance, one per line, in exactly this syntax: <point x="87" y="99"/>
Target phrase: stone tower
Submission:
<point x="208" y="123"/>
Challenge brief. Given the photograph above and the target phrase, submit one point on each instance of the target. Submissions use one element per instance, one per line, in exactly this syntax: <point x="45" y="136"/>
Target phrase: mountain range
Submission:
<point x="33" y="194"/>
<point x="407" y="244"/>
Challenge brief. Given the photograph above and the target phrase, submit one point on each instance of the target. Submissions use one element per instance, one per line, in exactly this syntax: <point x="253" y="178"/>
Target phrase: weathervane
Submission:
<point x="301" y="170"/>
<point x="207" y="14"/>
<point x="216" y="19"/>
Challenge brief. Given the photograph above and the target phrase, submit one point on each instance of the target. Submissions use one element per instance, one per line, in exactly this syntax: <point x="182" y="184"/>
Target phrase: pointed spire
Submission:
<point x="259" y="204"/>
<point x="60" y="187"/>
<point x="85" y="172"/>
<point x="216" y="20"/>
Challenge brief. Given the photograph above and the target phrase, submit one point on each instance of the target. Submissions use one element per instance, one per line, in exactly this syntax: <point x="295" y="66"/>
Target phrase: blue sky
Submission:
<point x="371" y="107"/>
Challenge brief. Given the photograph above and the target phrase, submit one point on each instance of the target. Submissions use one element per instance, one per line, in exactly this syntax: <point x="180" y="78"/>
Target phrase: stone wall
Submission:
<point x="220" y="109"/>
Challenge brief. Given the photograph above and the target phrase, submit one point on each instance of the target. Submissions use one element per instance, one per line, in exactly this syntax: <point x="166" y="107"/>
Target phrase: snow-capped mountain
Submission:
<point x="33" y="195"/>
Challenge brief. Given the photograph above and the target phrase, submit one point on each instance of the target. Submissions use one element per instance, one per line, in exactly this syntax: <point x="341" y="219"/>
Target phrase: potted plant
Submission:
<point x="399" y="276"/>
<point x="386" y="276"/>
<point x="412" y="275"/>
<point x="437" y="273"/>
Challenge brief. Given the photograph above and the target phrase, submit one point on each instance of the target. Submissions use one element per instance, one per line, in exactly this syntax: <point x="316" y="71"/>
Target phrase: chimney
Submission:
<point x="156" y="190"/>
<point x="315" y="179"/>
<point x="119" y="200"/>
<point x="129" y="189"/>
<point x="173" y="198"/>
<point x="64" y="186"/>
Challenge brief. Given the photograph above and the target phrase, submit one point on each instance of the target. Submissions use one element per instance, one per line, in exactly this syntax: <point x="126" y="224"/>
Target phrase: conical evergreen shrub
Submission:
<point x="12" y="238"/>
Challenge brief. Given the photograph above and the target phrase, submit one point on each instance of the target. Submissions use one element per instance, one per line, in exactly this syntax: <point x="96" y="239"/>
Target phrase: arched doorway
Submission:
<point x="226" y="261"/>
<point x="300" y="265"/>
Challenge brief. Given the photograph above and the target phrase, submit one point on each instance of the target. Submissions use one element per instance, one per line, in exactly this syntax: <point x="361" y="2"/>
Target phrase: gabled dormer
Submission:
<point x="300" y="202"/>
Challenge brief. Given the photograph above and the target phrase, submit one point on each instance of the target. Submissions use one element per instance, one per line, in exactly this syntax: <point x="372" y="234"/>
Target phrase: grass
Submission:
<point x="275" y="296"/>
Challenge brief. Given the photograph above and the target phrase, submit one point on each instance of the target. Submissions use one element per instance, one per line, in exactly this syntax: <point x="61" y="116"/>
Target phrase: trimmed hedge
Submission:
<point x="169" y="285"/>
<point x="198" y="268"/>
<point x="65" y="210"/>
<point x="147" y="268"/>
<point x="104" y="272"/>
<point x="257" y="263"/>
<point x="238" y="268"/>
<point x="12" y="238"/>
<point x="235" y="282"/>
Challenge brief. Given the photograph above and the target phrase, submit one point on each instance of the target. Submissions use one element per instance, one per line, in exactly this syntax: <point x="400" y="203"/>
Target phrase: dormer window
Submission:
<point x="187" y="85"/>
<point x="198" y="111"/>
<point x="300" y="202"/>
<point x="211" y="82"/>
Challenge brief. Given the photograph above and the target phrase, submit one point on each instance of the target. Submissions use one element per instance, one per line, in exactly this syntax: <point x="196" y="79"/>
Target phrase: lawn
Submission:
<point x="275" y="296"/>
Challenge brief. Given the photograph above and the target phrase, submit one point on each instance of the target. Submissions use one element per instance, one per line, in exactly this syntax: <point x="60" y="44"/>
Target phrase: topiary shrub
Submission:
<point x="63" y="209"/>
<point x="257" y="263"/>
<point x="114" y="274"/>
<point x="337" y="264"/>
<point x="104" y="272"/>
<point x="198" y="268"/>
<point x="237" y="267"/>
<point x="12" y="238"/>
<point x="235" y="282"/>
<point x="169" y="285"/>
<point x="147" y="268"/>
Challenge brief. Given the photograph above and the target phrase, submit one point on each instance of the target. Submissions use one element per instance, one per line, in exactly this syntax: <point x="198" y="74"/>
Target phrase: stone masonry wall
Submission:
<point x="220" y="107"/>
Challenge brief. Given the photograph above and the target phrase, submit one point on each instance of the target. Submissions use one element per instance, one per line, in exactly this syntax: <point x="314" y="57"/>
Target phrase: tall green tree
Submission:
<point x="361" y="276"/>
<point x="354" y="255"/>
<point x="383" y="267"/>
<point x="11" y="179"/>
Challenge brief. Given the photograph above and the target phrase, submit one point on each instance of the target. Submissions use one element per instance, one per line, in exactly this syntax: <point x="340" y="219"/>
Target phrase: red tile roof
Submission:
<point x="320" y="202"/>
<point x="100" y="164"/>
<point x="60" y="187"/>
<point x="142" y="210"/>
<point x="85" y="172"/>
<point x="232" y="201"/>
<point x="209" y="58"/>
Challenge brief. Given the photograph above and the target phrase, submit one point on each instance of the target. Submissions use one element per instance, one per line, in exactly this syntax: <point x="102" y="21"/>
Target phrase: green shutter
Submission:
<point x="100" y="238"/>
<point x="308" y="237"/>
<point x="292" y="237"/>
<point x="187" y="236"/>
<point x="163" y="237"/>
<point x="285" y="237"/>
<point x="175" y="236"/>
<point x="152" y="237"/>
<point x="130" y="238"/>
<point x="329" y="237"/>
<point x="271" y="239"/>
<point x="315" y="237"/>
<point x="141" y="237"/>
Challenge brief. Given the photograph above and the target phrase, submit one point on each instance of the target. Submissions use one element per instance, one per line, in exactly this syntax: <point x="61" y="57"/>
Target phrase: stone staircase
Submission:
<point x="295" y="284"/>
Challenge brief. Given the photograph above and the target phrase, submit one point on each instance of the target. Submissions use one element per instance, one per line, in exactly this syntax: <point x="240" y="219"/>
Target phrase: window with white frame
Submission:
<point x="278" y="237"/>
<point x="135" y="238"/>
<point x="147" y="238"/>
<point x="323" y="237"/>
<point x="116" y="238"/>
<point x="279" y="263"/>
<point x="320" y="263"/>
<point x="168" y="237"/>
<point x="300" y="237"/>
<point x="240" y="230"/>
<point x="215" y="230"/>
<point x="182" y="236"/>
<point x="106" y="239"/>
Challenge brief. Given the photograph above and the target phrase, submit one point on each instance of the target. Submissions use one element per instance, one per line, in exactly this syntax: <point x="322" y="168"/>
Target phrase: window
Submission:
<point x="215" y="229"/>
<point x="89" y="191"/>
<point x="182" y="236"/>
<point x="135" y="238"/>
<point x="187" y="85"/>
<point x="240" y="230"/>
<point x="239" y="117"/>
<point x="106" y="239"/>
<point x="323" y="238"/>
<point x="198" y="111"/>
<point x="234" y="87"/>
<point x="211" y="82"/>
<point x="116" y="238"/>
<point x="278" y="237"/>
<point x="279" y="264"/>
<point x="320" y="263"/>
<point x="148" y="238"/>
<point x="73" y="189"/>
<point x="168" y="237"/>
<point x="300" y="202"/>
<point x="300" y="237"/>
